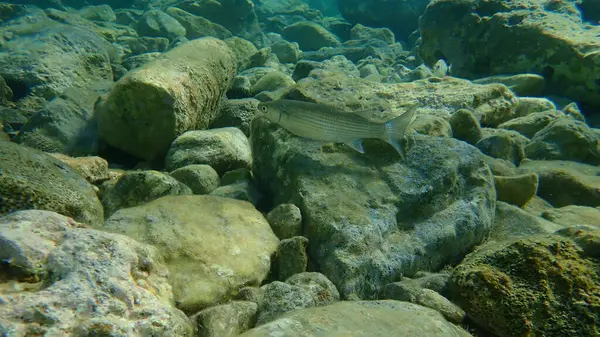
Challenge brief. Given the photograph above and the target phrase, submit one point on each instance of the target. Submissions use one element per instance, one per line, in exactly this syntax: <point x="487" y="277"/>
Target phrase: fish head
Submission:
<point x="269" y="111"/>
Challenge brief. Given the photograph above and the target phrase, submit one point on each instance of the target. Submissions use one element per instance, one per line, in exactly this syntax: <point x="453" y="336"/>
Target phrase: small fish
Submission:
<point x="326" y="123"/>
<point x="441" y="68"/>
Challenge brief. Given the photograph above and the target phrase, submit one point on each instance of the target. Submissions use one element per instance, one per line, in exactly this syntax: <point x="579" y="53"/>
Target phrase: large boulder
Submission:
<point x="31" y="179"/>
<point x="481" y="38"/>
<point x="68" y="280"/>
<point x="152" y="105"/>
<point x="212" y="245"/>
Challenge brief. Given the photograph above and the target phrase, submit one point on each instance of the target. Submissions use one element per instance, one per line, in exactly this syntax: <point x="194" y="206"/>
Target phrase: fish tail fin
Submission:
<point x="395" y="129"/>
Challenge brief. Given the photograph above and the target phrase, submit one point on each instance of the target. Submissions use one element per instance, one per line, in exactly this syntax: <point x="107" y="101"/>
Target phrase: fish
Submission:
<point x="326" y="123"/>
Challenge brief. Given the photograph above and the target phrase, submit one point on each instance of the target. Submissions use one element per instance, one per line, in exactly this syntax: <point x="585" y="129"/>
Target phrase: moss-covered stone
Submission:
<point x="31" y="179"/>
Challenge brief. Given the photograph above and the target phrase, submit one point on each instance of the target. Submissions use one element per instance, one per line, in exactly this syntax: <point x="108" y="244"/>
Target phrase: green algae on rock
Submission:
<point x="179" y="91"/>
<point x="543" y="285"/>
<point x="212" y="245"/>
<point x="31" y="179"/>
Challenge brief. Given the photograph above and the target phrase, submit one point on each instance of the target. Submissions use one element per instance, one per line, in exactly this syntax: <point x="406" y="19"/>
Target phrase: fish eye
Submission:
<point x="264" y="108"/>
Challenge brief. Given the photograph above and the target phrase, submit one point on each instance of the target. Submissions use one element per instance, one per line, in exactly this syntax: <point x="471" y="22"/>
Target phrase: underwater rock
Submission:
<point x="66" y="124"/>
<point x="465" y="126"/>
<point x="529" y="125"/>
<point x="201" y="179"/>
<point x="212" y="245"/>
<point x="512" y="222"/>
<point x="574" y="216"/>
<point x="516" y="190"/>
<point x="285" y="220"/>
<point x="363" y="318"/>
<point x="432" y="125"/>
<point x="356" y="50"/>
<point x="272" y="81"/>
<point x="156" y="23"/>
<point x="310" y="36"/>
<point x="242" y="190"/>
<point x="6" y="93"/>
<point x="144" y="48"/>
<point x="566" y="139"/>
<point x="225" y="320"/>
<point x="290" y="258"/>
<point x="242" y="49"/>
<point x="236" y="113"/>
<point x="543" y="285"/>
<point x="56" y="267"/>
<point x="302" y="290"/>
<point x="223" y="149"/>
<point x="33" y="61"/>
<point x="197" y="26"/>
<point x="504" y="144"/>
<point x="151" y="106"/>
<point x="360" y="32"/>
<point x="98" y="13"/>
<point x="478" y="39"/>
<point x="371" y="218"/>
<point x="287" y="52"/>
<point x="138" y="187"/>
<point x="31" y="179"/>
<point x="93" y="169"/>
<point x="521" y="84"/>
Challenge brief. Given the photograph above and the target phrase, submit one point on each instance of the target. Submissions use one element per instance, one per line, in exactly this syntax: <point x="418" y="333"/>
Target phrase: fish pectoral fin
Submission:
<point x="357" y="145"/>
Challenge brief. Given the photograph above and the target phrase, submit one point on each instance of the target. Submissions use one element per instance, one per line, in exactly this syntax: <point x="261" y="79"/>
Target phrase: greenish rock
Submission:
<point x="223" y="149"/>
<point x="140" y="46"/>
<point x="516" y="190"/>
<point x="566" y="139"/>
<point x="236" y="176"/>
<point x="432" y="125"/>
<point x="237" y="113"/>
<point x="260" y="59"/>
<point x="574" y="216"/>
<point x="250" y="294"/>
<point x="273" y="81"/>
<point x="242" y="49"/>
<point x="543" y="285"/>
<point x="52" y="265"/>
<point x="212" y="246"/>
<point x="291" y="258"/>
<point x="138" y="187"/>
<point x="478" y="38"/>
<point x="226" y="320"/>
<point x="137" y="61"/>
<point x="243" y="190"/>
<point x="303" y="290"/>
<point x="465" y="126"/>
<point x="286" y="221"/>
<point x="6" y="93"/>
<point x="303" y="68"/>
<point x="98" y="13"/>
<point x="564" y="183"/>
<point x="31" y="179"/>
<point x="197" y="26"/>
<point x="93" y="169"/>
<point x="426" y="297"/>
<point x="513" y="222"/>
<point x="310" y="36"/>
<point x="353" y="205"/>
<point x="520" y="84"/>
<point x="33" y="60"/>
<point x="287" y="52"/>
<point x="66" y="124"/>
<point x="573" y="111"/>
<point x="360" y="32"/>
<point x="156" y="23"/>
<point x="361" y="318"/>
<point x="149" y="107"/>
<point x="504" y="144"/>
<point x="529" y="105"/>
<point x="529" y="125"/>
<point x="201" y="179"/>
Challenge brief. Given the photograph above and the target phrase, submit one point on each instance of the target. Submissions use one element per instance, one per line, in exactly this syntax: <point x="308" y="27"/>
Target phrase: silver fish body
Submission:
<point x="326" y="123"/>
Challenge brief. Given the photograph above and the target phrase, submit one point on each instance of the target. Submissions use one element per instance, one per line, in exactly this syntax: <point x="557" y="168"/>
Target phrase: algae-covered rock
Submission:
<point x="156" y="23"/>
<point x="291" y="258"/>
<point x="237" y="113"/>
<point x="212" y="246"/>
<point x="93" y="169"/>
<point x="482" y="38"/>
<point x="31" y="179"/>
<point x="138" y="187"/>
<point x="511" y="222"/>
<point x="504" y="144"/>
<point x="574" y="216"/>
<point x="566" y="139"/>
<point x="542" y="285"/>
<point x="152" y="105"/>
<point x="310" y="35"/>
<point x="516" y="190"/>
<point x="520" y="84"/>
<point x="529" y="125"/>
<point x="564" y="183"/>
<point x="226" y="320"/>
<point x="465" y="126"/>
<point x="361" y="318"/>
<point x="60" y="278"/>
<point x="201" y="179"/>
<point x="197" y="26"/>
